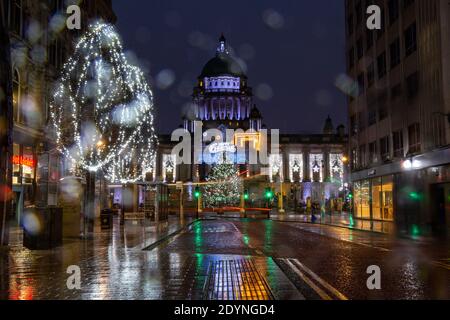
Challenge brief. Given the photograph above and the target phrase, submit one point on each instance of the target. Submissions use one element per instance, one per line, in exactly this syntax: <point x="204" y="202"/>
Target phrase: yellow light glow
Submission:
<point x="242" y="138"/>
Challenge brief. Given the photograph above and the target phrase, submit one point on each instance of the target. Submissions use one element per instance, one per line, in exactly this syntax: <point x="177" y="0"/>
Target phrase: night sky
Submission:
<point x="292" y="51"/>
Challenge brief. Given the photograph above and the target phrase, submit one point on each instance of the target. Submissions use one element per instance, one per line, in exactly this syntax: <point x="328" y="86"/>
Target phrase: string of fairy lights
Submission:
<point x="224" y="186"/>
<point x="102" y="110"/>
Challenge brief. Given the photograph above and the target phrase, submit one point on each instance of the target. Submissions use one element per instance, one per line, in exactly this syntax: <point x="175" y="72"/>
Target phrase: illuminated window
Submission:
<point x="316" y="167"/>
<point x="169" y="167"/>
<point x="276" y="167"/>
<point x="337" y="168"/>
<point x="362" y="199"/>
<point x="387" y="199"/>
<point x="376" y="198"/>
<point x="296" y="167"/>
<point x="28" y="165"/>
<point x="16" y="165"/>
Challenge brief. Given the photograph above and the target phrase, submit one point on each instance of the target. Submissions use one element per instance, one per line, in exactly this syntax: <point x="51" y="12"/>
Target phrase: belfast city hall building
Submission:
<point x="305" y="168"/>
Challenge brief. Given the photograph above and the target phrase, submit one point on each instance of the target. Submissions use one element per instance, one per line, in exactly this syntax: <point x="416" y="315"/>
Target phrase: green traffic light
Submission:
<point x="197" y="193"/>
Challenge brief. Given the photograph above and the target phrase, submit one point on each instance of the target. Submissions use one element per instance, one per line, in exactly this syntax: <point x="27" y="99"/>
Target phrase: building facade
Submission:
<point x="398" y="116"/>
<point x="40" y="44"/>
<point x="307" y="168"/>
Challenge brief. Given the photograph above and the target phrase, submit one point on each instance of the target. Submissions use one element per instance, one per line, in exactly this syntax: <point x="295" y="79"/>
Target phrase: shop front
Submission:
<point x="374" y="204"/>
<point x="24" y="173"/>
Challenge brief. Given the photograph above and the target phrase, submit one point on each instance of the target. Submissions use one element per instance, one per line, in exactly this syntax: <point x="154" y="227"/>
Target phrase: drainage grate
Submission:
<point x="235" y="280"/>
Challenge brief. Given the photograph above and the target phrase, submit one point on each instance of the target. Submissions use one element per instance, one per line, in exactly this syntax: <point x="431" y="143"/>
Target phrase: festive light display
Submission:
<point x="276" y="167"/>
<point x="102" y="110"/>
<point x="224" y="186"/>
<point x="316" y="167"/>
<point x="296" y="167"/>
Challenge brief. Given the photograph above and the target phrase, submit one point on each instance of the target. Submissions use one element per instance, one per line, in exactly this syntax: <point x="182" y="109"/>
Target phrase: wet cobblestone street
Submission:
<point x="225" y="260"/>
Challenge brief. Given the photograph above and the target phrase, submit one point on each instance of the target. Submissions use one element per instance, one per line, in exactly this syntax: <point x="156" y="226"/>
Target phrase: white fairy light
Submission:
<point x="102" y="110"/>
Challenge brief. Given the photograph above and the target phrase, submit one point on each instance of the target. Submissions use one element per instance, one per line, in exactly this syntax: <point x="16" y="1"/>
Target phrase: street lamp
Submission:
<point x="411" y="164"/>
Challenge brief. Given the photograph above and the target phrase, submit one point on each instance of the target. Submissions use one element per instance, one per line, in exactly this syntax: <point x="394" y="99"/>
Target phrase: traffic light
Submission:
<point x="269" y="193"/>
<point x="197" y="192"/>
<point x="246" y="195"/>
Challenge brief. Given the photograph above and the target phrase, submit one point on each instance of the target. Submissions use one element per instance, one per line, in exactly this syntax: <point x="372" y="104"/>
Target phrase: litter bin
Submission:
<point x="42" y="228"/>
<point x="106" y="219"/>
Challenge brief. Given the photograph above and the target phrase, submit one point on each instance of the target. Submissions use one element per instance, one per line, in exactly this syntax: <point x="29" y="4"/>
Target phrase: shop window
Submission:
<point x="27" y="166"/>
<point x="16" y="165"/>
<point x="376" y="199"/>
<point x="24" y="165"/>
<point x="387" y="199"/>
<point x="362" y="199"/>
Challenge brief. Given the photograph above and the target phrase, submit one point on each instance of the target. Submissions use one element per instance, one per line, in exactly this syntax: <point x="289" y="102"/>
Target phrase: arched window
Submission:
<point x="16" y="17"/>
<point x="16" y="95"/>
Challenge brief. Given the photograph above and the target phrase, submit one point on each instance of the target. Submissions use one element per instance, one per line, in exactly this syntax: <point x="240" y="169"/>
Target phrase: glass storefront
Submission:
<point x="24" y="172"/>
<point x="373" y="199"/>
<point x="362" y="199"/>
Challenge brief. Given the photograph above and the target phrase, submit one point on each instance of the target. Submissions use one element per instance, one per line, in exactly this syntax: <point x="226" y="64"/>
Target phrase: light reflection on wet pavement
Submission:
<point x="232" y="259"/>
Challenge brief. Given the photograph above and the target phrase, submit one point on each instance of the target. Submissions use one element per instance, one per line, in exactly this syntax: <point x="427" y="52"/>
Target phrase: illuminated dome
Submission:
<point x="222" y="64"/>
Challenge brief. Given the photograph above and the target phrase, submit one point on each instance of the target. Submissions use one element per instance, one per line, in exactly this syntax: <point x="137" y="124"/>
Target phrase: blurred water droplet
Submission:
<point x="347" y="85"/>
<point x="188" y="111"/>
<point x="273" y="19"/>
<point x="165" y="79"/>
<point x="323" y="98"/>
<point x="34" y="31"/>
<point x="264" y="92"/>
<point x="39" y="54"/>
<point x="57" y="23"/>
<point x="31" y="222"/>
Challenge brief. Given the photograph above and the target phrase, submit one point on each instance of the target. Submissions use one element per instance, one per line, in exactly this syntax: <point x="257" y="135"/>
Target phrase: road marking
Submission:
<point x="311" y="284"/>
<point x="318" y="232"/>
<point x="325" y="284"/>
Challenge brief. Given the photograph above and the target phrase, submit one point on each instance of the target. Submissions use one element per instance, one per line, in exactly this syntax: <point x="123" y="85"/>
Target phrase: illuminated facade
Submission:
<point x="399" y="116"/>
<point x="36" y="62"/>
<point x="308" y="167"/>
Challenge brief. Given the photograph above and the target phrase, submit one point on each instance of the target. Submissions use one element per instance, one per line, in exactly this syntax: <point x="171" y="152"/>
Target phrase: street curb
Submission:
<point x="332" y="225"/>
<point x="165" y="238"/>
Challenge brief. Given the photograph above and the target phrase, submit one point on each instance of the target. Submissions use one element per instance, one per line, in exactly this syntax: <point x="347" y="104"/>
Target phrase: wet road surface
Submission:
<point x="231" y="259"/>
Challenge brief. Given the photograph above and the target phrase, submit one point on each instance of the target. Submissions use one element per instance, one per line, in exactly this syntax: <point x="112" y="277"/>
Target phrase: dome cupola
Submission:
<point x="222" y="64"/>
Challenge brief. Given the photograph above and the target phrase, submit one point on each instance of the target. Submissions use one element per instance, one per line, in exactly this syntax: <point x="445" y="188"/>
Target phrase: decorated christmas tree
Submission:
<point x="224" y="186"/>
<point x="102" y="110"/>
